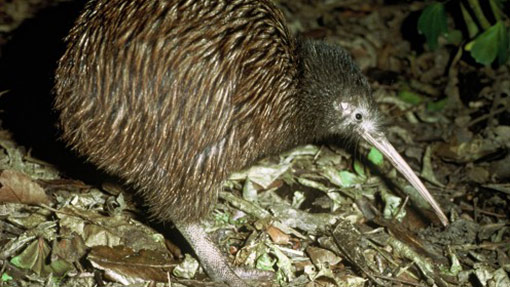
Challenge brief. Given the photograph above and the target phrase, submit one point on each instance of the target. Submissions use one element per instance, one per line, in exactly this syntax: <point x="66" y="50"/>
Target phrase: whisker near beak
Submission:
<point x="382" y="144"/>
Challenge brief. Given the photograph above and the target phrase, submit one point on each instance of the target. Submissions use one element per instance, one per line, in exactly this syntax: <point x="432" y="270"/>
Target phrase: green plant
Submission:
<point x="488" y="40"/>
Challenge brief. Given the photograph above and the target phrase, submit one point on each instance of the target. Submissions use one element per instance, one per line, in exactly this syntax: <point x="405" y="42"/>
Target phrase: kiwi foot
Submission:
<point x="214" y="263"/>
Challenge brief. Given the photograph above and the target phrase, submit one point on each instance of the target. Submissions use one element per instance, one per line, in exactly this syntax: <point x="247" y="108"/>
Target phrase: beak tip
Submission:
<point x="444" y="219"/>
<point x="381" y="142"/>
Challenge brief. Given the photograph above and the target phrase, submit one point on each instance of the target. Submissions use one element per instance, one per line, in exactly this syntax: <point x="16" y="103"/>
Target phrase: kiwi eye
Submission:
<point x="358" y="116"/>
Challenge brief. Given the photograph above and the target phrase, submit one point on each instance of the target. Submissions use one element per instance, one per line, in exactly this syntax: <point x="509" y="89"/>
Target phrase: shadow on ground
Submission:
<point x="27" y="68"/>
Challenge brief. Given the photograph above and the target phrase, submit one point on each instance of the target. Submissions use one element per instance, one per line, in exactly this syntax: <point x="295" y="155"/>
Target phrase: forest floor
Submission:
<point x="318" y="215"/>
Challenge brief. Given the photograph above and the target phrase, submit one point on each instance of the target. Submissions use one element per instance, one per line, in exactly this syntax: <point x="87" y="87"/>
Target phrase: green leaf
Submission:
<point x="478" y="12"/>
<point x="392" y="206"/>
<point x="359" y="168"/>
<point x="348" y="179"/>
<point x="496" y="7"/>
<point x="491" y="44"/>
<point x="437" y="106"/>
<point x="34" y="257"/>
<point x="471" y="25"/>
<point x="60" y="267"/>
<point x="454" y="37"/>
<point x="410" y="97"/>
<point x="456" y="265"/>
<point x="375" y="156"/>
<point x="432" y="23"/>
<point x="222" y="218"/>
<point x="265" y="262"/>
<point x="283" y="262"/>
<point x="6" y="277"/>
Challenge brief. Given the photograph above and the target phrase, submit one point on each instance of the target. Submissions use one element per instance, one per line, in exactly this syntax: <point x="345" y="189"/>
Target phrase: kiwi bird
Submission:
<point x="172" y="96"/>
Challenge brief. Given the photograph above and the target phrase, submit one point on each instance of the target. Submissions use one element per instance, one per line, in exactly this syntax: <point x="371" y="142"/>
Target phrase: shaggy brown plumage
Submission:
<point x="174" y="95"/>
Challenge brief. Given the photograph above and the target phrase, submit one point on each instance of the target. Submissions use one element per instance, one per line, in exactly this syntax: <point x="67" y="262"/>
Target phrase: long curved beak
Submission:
<point x="382" y="144"/>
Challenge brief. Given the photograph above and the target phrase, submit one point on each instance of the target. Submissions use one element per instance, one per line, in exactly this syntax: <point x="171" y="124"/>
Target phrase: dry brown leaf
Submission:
<point x="20" y="188"/>
<point x="278" y="236"/>
<point x="124" y="265"/>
